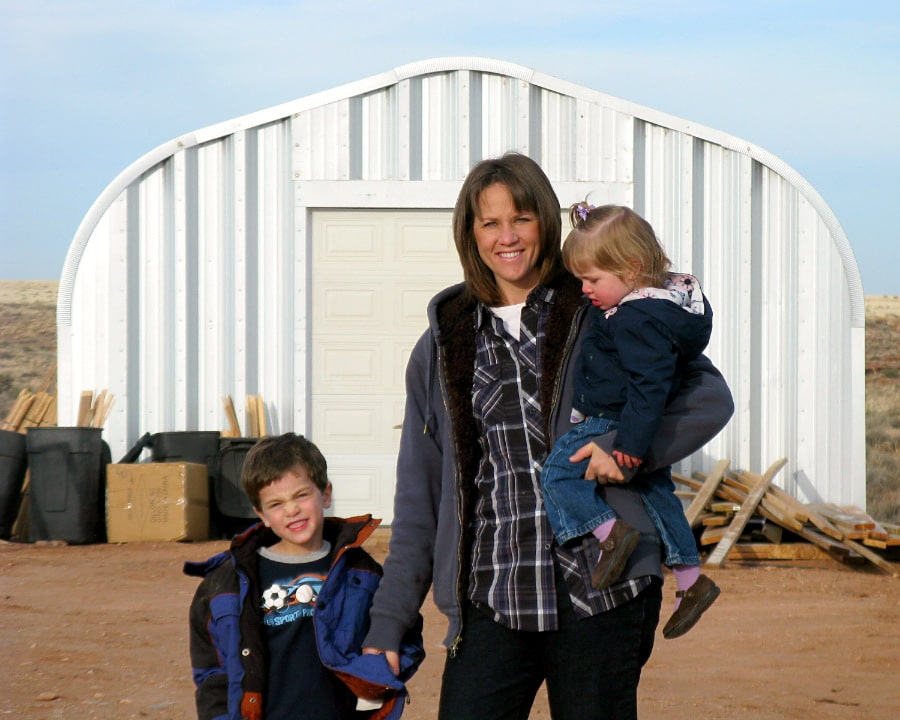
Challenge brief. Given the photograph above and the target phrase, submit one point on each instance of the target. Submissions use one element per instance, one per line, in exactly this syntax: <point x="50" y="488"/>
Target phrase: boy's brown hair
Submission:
<point x="274" y="455"/>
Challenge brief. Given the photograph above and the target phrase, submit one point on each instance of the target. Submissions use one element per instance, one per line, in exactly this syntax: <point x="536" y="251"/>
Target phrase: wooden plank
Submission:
<point x="100" y="409"/>
<point x="36" y="412"/>
<point x="19" y="410"/>
<point x="712" y="535"/>
<point x="748" y="507"/>
<point x="706" y="491"/>
<point x="261" y="416"/>
<point x="778" y="515"/>
<point x="873" y="557"/>
<point x="803" y="513"/>
<point x="880" y="543"/>
<point x="835" y="548"/>
<point x="50" y="419"/>
<point x="715" y="520"/>
<point x="724" y="506"/>
<point x="234" y="427"/>
<point x="252" y="419"/>
<point x="845" y="516"/>
<point x="691" y="482"/>
<point x="84" y="408"/>
<point x="777" y="551"/>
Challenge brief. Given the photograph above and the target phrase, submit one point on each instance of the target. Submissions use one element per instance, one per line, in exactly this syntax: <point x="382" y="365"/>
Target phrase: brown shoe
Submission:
<point x="694" y="602"/>
<point x="616" y="550"/>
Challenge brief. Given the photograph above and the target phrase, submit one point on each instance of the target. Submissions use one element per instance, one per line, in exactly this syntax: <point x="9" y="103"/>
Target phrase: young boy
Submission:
<point x="276" y="624"/>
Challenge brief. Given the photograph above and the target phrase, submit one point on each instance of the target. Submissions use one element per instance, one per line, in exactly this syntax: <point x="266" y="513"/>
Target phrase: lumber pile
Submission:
<point x="93" y="408"/>
<point x="30" y="410"/>
<point x="256" y="417"/>
<point x="744" y="516"/>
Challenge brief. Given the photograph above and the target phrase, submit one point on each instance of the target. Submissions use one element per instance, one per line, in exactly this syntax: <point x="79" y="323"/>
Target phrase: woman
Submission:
<point x="489" y="388"/>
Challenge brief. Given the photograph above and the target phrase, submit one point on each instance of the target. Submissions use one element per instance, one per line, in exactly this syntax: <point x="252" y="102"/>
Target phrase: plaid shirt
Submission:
<point x="513" y="553"/>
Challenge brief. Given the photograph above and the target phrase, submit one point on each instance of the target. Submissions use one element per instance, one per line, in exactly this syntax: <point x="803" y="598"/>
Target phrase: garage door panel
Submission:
<point x="427" y="243"/>
<point x="344" y="240"/>
<point x="363" y="427"/>
<point x="361" y="484"/>
<point x="345" y="367"/>
<point x="341" y="307"/>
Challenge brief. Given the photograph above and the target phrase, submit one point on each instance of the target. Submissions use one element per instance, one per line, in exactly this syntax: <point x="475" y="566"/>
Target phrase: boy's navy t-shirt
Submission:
<point x="300" y="687"/>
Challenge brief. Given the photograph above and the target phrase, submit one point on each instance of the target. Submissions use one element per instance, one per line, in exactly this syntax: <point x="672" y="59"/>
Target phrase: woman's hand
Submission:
<point x="393" y="658"/>
<point x="601" y="467"/>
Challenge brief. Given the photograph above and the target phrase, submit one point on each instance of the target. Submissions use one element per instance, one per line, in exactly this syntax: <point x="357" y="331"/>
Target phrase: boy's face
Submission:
<point x="295" y="510"/>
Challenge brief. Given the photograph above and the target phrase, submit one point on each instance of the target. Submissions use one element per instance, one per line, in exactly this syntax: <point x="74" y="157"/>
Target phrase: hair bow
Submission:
<point x="583" y="211"/>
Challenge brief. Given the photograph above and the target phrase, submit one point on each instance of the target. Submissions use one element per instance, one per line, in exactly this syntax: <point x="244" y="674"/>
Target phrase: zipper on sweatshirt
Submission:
<point x="457" y="482"/>
<point x="561" y="373"/>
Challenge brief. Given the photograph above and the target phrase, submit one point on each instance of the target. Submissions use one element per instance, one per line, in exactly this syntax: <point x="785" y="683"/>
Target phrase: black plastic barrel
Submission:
<point x="194" y="446"/>
<point x="231" y="511"/>
<point x="13" y="464"/>
<point x="67" y="490"/>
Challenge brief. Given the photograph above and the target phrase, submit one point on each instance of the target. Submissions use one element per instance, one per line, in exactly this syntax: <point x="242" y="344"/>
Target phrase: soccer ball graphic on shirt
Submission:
<point x="274" y="597"/>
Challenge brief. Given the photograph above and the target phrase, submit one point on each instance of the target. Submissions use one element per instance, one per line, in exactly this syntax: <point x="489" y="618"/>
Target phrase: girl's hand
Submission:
<point x="601" y="467"/>
<point x="629" y="461"/>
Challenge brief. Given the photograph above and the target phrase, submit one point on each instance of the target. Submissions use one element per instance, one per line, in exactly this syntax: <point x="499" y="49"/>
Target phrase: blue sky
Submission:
<point x="89" y="86"/>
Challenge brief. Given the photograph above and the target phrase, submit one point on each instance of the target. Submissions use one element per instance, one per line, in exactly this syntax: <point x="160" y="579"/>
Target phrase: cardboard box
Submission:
<point x="157" y="501"/>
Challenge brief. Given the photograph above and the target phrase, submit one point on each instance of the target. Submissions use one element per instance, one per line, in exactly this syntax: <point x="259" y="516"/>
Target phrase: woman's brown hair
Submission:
<point x="531" y="191"/>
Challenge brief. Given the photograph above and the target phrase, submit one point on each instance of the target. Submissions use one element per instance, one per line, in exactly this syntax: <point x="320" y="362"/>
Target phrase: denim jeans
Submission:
<point x="592" y="665"/>
<point x="667" y="513"/>
<point x="575" y="506"/>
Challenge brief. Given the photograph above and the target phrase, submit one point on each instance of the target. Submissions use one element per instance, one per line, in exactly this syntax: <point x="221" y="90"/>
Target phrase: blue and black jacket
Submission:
<point x="228" y="653"/>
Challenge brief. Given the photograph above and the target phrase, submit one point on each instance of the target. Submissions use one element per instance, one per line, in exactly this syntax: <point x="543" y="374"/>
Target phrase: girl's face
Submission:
<point x="604" y="289"/>
<point x="509" y="243"/>
<point x="295" y="510"/>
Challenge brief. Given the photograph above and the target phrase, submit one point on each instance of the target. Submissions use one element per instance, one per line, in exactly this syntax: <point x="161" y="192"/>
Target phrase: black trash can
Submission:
<point x="195" y="446"/>
<point x="13" y="464"/>
<point x="230" y="509"/>
<point x="67" y="490"/>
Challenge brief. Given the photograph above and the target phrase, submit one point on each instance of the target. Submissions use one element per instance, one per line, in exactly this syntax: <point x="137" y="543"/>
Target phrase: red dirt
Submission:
<point x="100" y="631"/>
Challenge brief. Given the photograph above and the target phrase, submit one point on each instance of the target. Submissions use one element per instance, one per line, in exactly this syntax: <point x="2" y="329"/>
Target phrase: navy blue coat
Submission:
<point x="632" y="364"/>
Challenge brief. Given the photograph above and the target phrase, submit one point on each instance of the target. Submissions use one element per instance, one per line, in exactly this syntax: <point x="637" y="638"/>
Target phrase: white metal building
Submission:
<point x="290" y="253"/>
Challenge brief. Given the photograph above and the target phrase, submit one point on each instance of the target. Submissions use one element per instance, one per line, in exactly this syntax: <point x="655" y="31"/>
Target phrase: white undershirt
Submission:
<point x="511" y="315"/>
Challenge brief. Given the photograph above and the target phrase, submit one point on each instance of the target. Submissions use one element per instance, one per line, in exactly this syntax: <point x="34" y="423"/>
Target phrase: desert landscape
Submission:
<point x="100" y="631"/>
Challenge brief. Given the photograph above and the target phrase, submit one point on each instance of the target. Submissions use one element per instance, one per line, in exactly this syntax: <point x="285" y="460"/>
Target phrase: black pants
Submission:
<point x="592" y="666"/>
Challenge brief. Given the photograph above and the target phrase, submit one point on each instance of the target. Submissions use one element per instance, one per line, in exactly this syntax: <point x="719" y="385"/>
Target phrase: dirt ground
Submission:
<point x="100" y="631"/>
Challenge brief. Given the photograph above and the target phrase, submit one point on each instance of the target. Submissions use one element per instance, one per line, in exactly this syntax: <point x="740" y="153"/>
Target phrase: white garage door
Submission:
<point x="373" y="275"/>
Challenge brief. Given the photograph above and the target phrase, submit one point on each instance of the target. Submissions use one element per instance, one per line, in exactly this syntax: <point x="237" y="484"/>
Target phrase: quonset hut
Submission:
<point x="290" y="253"/>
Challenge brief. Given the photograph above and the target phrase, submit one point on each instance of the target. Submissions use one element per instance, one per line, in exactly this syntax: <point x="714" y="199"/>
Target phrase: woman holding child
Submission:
<point x="488" y="391"/>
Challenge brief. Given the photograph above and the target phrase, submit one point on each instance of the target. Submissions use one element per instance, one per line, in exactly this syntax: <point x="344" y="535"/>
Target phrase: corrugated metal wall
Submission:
<point x="189" y="277"/>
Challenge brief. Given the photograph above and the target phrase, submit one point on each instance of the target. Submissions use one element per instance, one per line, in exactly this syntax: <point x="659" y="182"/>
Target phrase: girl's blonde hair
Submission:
<point x="616" y="239"/>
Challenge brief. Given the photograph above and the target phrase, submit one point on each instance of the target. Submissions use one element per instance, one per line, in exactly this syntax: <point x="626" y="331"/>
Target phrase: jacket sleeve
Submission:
<point x="408" y="566"/>
<point x="650" y="359"/>
<point x="695" y="416"/>
<point x="210" y="680"/>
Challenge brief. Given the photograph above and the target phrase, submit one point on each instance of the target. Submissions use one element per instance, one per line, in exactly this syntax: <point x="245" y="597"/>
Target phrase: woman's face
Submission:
<point x="508" y="242"/>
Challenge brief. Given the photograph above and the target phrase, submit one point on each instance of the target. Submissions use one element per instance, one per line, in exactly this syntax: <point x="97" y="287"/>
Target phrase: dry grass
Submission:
<point x="28" y="354"/>
<point x="883" y="408"/>
<point x="27" y="338"/>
